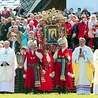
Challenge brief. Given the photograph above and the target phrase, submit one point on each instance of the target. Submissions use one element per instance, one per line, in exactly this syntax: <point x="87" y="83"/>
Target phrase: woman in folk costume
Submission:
<point x="95" y="58"/>
<point x="31" y="66"/>
<point x="46" y="70"/>
<point x="91" y="25"/>
<point x="83" y="69"/>
<point x="63" y="67"/>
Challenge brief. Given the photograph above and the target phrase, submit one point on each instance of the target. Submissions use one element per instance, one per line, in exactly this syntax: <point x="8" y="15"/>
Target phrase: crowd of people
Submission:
<point x="24" y="54"/>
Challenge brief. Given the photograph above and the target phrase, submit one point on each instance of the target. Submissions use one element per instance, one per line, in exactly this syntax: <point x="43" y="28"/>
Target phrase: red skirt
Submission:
<point x="29" y="80"/>
<point x="47" y="84"/>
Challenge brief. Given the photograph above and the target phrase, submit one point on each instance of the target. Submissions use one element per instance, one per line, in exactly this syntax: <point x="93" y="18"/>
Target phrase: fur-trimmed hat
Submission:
<point x="31" y="43"/>
<point x="62" y="40"/>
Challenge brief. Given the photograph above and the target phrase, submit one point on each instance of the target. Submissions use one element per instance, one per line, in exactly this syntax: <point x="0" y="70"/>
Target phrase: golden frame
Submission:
<point x="51" y="33"/>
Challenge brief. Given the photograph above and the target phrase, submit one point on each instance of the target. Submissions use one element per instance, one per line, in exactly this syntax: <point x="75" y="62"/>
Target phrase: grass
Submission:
<point x="51" y="95"/>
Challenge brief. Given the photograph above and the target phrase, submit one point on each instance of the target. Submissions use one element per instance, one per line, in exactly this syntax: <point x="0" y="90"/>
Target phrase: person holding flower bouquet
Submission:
<point x="82" y="59"/>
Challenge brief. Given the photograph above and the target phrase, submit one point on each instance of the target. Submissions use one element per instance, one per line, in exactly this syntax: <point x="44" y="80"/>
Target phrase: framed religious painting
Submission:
<point x="51" y="33"/>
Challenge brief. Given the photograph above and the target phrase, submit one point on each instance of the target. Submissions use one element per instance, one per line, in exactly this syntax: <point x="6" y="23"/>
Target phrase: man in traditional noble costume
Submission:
<point x="8" y="64"/>
<point x="63" y="67"/>
<point x="31" y="66"/>
<point x="83" y="67"/>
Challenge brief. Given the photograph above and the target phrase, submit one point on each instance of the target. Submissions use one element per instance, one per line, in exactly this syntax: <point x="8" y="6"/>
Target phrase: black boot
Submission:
<point x="26" y="91"/>
<point x="64" y="90"/>
<point x="59" y="89"/>
<point x="35" y="90"/>
<point x="41" y="92"/>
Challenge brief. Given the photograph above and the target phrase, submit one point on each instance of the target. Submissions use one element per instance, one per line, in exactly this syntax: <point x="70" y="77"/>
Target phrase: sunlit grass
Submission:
<point x="51" y="95"/>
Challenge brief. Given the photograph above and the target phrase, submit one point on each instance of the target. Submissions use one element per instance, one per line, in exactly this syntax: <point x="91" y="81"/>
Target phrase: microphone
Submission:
<point x="80" y="50"/>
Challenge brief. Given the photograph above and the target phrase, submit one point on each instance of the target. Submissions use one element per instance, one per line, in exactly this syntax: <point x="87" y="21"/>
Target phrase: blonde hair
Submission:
<point x="90" y="20"/>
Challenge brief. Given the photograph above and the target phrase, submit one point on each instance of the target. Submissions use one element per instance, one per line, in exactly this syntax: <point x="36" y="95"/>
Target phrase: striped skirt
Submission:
<point x="83" y="89"/>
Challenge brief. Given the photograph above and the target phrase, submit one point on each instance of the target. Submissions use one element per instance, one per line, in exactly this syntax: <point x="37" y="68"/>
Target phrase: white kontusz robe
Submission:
<point x="7" y="73"/>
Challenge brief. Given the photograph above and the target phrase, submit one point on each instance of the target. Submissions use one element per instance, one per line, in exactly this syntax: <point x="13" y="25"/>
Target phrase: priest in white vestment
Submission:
<point x="83" y="67"/>
<point x="95" y="58"/>
<point x="8" y="64"/>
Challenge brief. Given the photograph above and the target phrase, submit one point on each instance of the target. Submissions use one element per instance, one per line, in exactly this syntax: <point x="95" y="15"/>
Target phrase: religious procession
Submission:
<point x="48" y="51"/>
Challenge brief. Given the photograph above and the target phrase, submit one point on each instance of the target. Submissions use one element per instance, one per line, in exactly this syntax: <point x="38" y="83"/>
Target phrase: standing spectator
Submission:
<point x="33" y="19"/>
<point x="19" y="71"/>
<point x="83" y="29"/>
<point x="68" y="29"/>
<point x="25" y="37"/>
<point x="83" y="69"/>
<point x="12" y="25"/>
<point x="75" y="31"/>
<point x="65" y="13"/>
<point x="72" y="19"/>
<point x="31" y="26"/>
<point x="8" y="64"/>
<point x="96" y="14"/>
<point x="78" y="13"/>
<point x="18" y="23"/>
<point x="14" y="43"/>
<point x="5" y="13"/>
<point x="38" y="35"/>
<point x="4" y="30"/>
<point x="63" y="67"/>
<point x="95" y="32"/>
<point x="91" y="25"/>
<point x="19" y="10"/>
<point x="86" y="12"/>
<point x="32" y="37"/>
<point x="17" y="32"/>
<point x="24" y="25"/>
<point x="71" y="11"/>
<point x="11" y="13"/>
<point x="9" y="23"/>
<point x="32" y="62"/>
